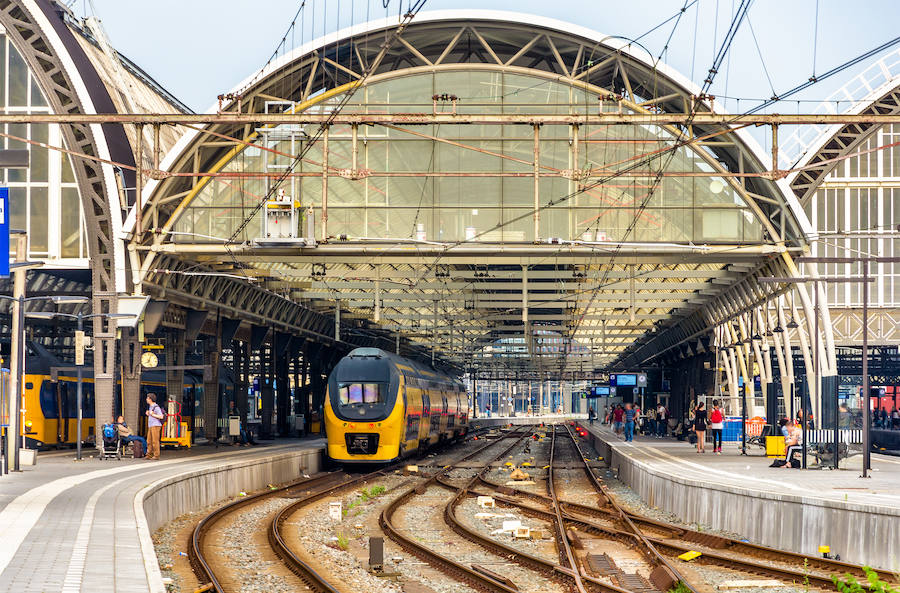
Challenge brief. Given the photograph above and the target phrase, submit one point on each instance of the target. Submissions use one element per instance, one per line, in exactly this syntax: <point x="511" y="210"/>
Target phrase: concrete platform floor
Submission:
<point x="74" y="526"/>
<point x="752" y="470"/>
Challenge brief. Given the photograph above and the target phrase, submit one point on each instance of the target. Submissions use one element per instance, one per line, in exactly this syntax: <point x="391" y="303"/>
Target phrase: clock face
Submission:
<point x="149" y="360"/>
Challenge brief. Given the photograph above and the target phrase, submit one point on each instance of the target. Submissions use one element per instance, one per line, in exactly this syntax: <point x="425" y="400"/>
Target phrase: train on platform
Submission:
<point x="380" y="407"/>
<point x="49" y="398"/>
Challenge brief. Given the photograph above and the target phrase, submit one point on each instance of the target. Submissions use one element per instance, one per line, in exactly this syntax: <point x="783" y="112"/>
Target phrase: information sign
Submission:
<point x="4" y="232"/>
<point x="626" y="380"/>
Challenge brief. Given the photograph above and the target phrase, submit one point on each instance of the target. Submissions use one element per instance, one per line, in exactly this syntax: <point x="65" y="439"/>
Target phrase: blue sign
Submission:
<point x="599" y="391"/>
<point x="626" y="380"/>
<point x="4" y="232"/>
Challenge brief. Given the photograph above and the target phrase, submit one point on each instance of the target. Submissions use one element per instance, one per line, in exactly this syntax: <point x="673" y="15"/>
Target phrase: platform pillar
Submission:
<point x="175" y="351"/>
<point x="266" y="391"/>
<point x="280" y="344"/>
<point x="212" y="353"/>
<point x="131" y="378"/>
<point x="242" y="370"/>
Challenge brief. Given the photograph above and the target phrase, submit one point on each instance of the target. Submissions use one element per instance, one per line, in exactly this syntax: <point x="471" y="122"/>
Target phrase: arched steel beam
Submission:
<point x="71" y="85"/>
<point x="840" y="141"/>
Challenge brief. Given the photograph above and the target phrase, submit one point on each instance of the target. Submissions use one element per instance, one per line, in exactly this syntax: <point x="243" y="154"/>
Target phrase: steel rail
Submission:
<point x="708" y="557"/>
<point x="565" y="548"/>
<point x="295" y="564"/>
<point x="736" y="545"/>
<point x="653" y="555"/>
<point x="576" y="514"/>
<point x="443" y="563"/>
<point x="523" y="558"/>
<point x="196" y="555"/>
<point x="200" y="564"/>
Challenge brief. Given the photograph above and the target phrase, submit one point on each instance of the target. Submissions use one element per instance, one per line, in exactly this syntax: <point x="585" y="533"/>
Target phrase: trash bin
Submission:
<point x="775" y="446"/>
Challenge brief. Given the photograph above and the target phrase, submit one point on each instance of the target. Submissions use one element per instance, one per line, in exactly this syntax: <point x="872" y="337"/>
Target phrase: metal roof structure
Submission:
<point x="525" y="242"/>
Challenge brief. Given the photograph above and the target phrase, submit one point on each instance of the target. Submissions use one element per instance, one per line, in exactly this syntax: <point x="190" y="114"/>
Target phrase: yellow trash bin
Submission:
<point x="775" y="446"/>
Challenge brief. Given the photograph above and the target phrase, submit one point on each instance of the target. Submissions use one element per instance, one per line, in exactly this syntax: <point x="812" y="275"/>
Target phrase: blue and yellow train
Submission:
<point x="380" y="407"/>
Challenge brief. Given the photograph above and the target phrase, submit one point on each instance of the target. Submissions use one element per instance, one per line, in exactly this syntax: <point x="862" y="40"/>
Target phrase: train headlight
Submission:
<point x="28" y="425"/>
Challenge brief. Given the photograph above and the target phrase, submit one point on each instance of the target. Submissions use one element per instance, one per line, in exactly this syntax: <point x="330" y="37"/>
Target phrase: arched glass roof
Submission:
<point x="508" y="177"/>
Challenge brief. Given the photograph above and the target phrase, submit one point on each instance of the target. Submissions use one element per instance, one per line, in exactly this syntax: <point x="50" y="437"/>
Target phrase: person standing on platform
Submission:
<point x="591" y="415"/>
<point x="662" y="421"/>
<point x="629" y="414"/>
<point x="651" y="420"/>
<point x="895" y="419"/>
<point x="618" y="416"/>
<point x="716" y="424"/>
<point x="154" y="427"/>
<point x="700" y="427"/>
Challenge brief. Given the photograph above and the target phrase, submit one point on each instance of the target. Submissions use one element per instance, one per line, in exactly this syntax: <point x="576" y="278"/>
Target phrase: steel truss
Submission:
<point x="48" y="58"/>
<point x="470" y="302"/>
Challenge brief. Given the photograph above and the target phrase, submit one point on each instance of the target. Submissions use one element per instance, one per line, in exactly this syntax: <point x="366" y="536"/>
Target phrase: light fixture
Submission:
<point x="778" y="329"/>
<point x="792" y="324"/>
<point x="716" y="186"/>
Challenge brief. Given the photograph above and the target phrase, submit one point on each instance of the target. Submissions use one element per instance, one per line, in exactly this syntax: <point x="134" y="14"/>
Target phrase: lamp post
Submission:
<point x="80" y="317"/>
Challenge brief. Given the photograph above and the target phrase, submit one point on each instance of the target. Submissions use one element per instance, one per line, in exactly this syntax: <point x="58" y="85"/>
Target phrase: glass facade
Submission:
<point x="44" y="199"/>
<point x="476" y="182"/>
<point x="861" y="198"/>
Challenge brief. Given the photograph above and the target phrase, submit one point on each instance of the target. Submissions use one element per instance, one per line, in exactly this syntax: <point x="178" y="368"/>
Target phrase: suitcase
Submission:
<point x="138" y="448"/>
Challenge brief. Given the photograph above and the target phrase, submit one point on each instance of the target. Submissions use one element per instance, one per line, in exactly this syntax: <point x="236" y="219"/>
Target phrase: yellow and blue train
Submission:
<point x="51" y="413"/>
<point x="380" y="407"/>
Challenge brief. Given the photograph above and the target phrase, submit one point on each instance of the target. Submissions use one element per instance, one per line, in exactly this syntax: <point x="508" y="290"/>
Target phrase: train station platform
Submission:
<point x="87" y="526"/>
<point x="784" y="508"/>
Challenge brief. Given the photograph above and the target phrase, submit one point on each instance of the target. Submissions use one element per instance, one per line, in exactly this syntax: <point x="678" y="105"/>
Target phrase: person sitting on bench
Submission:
<point x="792" y="444"/>
<point x="127" y="435"/>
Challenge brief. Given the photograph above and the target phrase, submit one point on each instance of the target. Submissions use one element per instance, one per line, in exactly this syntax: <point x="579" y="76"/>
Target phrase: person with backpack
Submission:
<point x="716" y="424"/>
<point x="700" y="427"/>
<point x="591" y="415"/>
<point x="155" y="418"/>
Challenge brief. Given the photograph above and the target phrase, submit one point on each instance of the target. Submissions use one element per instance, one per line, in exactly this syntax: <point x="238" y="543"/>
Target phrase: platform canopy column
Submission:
<point x="212" y="358"/>
<point x="131" y="377"/>
<point x="176" y="347"/>
<point x="281" y="343"/>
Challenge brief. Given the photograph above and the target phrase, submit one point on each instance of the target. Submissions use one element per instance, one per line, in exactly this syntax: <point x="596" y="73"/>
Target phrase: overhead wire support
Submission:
<point x="726" y="44"/>
<point x="814" y="79"/>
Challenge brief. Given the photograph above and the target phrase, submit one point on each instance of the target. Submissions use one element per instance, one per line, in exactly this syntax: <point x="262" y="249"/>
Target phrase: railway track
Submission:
<point x="304" y="492"/>
<point x="566" y="570"/>
<point x="658" y="542"/>
<point x="673" y="540"/>
<point x="479" y="579"/>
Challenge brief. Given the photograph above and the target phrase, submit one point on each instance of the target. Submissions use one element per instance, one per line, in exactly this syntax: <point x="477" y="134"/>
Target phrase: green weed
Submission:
<point x="849" y="584"/>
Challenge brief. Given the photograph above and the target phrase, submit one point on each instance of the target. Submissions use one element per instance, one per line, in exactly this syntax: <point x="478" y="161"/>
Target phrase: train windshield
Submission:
<point x="362" y="393"/>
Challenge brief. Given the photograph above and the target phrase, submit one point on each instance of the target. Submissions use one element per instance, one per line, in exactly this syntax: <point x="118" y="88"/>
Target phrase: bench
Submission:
<point x="820" y="443"/>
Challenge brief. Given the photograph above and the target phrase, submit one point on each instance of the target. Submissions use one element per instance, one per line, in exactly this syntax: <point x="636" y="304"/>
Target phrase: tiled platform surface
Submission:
<point x="81" y="526"/>
<point x="786" y="508"/>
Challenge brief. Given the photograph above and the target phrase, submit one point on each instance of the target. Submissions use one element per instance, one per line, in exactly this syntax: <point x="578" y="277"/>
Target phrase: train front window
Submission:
<point x="361" y="393"/>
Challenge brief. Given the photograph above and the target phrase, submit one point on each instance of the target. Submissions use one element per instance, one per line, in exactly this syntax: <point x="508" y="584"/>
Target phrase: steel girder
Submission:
<point x="736" y="300"/>
<point x="28" y="24"/>
<point x="203" y="289"/>
<point x="838" y="142"/>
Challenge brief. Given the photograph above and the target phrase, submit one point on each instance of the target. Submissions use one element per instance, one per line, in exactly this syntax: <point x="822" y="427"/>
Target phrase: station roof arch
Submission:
<point x="581" y="293"/>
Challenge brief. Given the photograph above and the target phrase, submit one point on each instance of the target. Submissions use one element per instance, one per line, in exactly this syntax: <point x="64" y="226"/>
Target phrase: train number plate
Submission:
<point x="362" y="444"/>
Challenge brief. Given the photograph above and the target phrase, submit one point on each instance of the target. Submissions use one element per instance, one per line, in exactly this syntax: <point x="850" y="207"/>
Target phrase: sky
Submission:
<point x="198" y="49"/>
